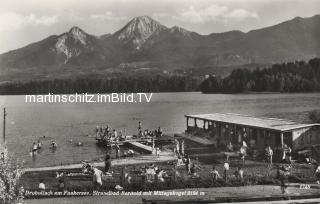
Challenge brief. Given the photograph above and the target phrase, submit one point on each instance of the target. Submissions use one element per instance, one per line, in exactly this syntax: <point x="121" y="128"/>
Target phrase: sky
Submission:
<point x="25" y="21"/>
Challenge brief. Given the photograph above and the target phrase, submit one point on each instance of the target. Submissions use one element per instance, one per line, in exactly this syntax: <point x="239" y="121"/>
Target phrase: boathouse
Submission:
<point x="257" y="132"/>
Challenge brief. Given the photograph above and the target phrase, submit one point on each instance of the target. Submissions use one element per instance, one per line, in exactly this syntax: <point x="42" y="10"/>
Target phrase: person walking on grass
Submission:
<point x="242" y="154"/>
<point x="107" y="163"/>
<point x="117" y="147"/>
<point x="317" y="173"/>
<point x="214" y="174"/>
<point x="269" y="154"/>
<point x="42" y="186"/>
<point x="239" y="174"/>
<point x="182" y="147"/>
<point x="226" y="168"/>
<point x="282" y="174"/>
<point x="288" y="154"/>
<point x="187" y="162"/>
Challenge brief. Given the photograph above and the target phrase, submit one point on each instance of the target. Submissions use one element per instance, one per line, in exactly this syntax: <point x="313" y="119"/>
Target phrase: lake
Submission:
<point x="69" y="123"/>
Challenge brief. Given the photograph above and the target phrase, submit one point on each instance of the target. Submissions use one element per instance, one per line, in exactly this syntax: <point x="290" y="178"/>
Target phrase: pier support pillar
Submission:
<point x="187" y="121"/>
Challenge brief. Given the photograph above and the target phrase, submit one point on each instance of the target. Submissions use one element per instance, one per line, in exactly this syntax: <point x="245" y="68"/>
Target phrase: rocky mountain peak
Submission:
<point x="138" y="30"/>
<point x="182" y="31"/>
<point x="78" y="34"/>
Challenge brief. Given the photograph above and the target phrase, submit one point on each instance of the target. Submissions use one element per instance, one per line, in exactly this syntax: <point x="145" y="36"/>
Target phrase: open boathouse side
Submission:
<point x="223" y="128"/>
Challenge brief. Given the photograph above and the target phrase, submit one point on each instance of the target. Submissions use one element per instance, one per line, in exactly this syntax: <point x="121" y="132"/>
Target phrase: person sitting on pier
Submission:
<point x="159" y="132"/>
<point x="129" y="153"/>
<point x="121" y="136"/>
<point x="145" y="133"/>
<point x="114" y="133"/>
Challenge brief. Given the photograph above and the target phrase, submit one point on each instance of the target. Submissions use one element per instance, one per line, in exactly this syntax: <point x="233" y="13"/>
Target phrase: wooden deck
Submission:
<point x="199" y="140"/>
<point x="140" y="146"/>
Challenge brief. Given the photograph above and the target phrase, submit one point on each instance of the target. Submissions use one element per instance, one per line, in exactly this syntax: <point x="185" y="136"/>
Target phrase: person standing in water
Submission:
<point x="54" y="144"/>
<point x="39" y="145"/>
<point x="34" y="149"/>
<point x="139" y="129"/>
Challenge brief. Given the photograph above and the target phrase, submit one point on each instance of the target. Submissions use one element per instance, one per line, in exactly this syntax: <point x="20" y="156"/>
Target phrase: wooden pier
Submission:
<point x="141" y="147"/>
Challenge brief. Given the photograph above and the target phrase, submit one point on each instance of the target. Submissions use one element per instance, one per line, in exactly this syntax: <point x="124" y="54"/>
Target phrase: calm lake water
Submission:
<point x="69" y="121"/>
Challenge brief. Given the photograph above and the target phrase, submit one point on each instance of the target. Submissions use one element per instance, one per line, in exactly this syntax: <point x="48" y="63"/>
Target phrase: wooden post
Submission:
<point x="4" y="125"/>
<point x="187" y="120"/>
<point x="122" y="177"/>
<point x="281" y="138"/>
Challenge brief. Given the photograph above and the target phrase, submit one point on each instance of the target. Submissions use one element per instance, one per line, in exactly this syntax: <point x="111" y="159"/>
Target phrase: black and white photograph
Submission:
<point x="159" y="101"/>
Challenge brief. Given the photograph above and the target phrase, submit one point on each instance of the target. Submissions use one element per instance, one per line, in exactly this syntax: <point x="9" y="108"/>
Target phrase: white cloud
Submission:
<point x="14" y="21"/>
<point x="242" y="14"/>
<point x="213" y="12"/>
<point x="107" y="16"/>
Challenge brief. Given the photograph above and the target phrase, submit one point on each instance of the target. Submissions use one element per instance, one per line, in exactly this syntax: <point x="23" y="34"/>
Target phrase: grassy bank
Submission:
<point x="255" y="173"/>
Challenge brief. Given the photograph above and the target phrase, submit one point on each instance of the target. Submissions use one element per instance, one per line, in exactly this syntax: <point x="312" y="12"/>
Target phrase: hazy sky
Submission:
<point x="26" y="21"/>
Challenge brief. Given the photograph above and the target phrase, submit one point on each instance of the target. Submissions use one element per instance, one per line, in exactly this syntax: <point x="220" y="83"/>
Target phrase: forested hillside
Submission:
<point x="296" y="76"/>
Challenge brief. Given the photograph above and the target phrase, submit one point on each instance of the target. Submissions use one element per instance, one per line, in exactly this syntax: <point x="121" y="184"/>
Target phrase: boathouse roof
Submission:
<point x="251" y="121"/>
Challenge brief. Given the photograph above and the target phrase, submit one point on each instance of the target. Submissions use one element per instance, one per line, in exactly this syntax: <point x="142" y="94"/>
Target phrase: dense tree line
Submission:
<point x="314" y="116"/>
<point x="296" y="76"/>
<point x="158" y="83"/>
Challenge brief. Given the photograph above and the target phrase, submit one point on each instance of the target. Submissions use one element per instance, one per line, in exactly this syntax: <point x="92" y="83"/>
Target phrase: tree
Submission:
<point x="314" y="116"/>
<point x="10" y="172"/>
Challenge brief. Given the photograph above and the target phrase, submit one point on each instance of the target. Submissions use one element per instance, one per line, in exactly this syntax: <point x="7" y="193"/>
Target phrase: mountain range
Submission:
<point x="144" y="42"/>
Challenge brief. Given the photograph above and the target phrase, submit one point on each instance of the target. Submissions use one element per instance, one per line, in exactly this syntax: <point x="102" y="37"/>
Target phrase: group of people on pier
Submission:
<point x="113" y="136"/>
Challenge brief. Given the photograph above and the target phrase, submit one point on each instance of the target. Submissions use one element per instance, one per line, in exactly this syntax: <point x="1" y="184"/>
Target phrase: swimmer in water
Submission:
<point x="54" y="144"/>
<point x="34" y="149"/>
<point x="39" y="145"/>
